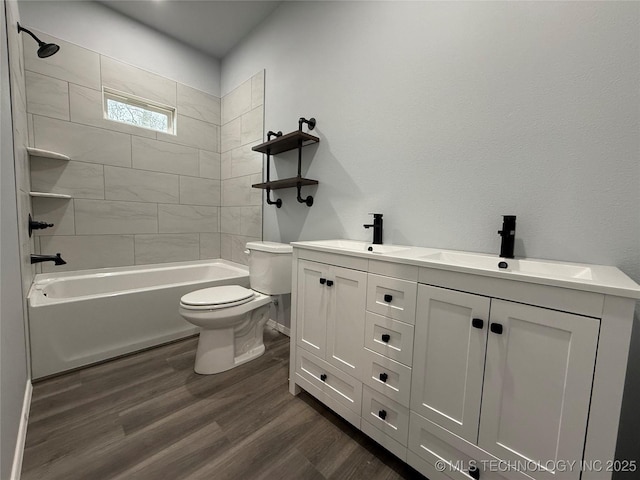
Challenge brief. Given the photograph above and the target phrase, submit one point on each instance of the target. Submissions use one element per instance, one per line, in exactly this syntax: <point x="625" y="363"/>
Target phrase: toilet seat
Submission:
<point x="214" y="298"/>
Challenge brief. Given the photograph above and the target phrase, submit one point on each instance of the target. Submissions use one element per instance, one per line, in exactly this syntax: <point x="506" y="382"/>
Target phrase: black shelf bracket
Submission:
<point x="277" y="202"/>
<point x="308" y="200"/>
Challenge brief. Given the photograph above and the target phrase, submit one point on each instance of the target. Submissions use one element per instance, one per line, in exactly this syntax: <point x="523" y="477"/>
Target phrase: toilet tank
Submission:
<point x="270" y="267"/>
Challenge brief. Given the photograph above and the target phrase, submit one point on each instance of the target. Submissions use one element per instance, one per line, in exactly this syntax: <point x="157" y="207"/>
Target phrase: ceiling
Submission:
<point x="211" y="26"/>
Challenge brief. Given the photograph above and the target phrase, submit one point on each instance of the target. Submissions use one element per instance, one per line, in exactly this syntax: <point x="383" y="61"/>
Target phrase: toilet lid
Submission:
<point x="224" y="296"/>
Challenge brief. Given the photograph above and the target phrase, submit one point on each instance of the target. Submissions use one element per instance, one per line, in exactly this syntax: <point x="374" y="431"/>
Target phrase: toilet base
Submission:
<point x="222" y="349"/>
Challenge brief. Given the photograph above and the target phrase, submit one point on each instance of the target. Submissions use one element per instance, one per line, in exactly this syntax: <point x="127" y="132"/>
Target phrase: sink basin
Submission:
<point x="359" y="246"/>
<point x="528" y="267"/>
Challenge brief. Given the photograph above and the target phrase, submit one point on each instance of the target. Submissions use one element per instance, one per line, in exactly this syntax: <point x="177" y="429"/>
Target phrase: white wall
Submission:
<point x="13" y="357"/>
<point x="98" y="28"/>
<point x="446" y="115"/>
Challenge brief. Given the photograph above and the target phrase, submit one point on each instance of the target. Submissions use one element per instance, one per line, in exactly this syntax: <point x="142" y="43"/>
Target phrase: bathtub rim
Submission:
<point x="36" y="299"/>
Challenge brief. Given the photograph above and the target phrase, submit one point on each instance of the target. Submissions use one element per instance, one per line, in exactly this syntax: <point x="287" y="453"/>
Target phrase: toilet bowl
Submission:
<point x="231" y="317"/>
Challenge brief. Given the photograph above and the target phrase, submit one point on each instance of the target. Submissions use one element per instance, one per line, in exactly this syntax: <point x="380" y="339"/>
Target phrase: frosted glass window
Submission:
<point x="123" y="108"/>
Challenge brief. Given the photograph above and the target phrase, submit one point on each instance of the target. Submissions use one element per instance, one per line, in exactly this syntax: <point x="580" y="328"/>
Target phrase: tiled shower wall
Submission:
<point x="138" y="196"/>
<point x="242" y="127"/>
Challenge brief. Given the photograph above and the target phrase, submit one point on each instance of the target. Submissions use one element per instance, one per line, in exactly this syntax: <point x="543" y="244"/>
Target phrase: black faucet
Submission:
<point x="57" y="259"/>
<point x="508" y="234"/>
<point x="377" y="228"/>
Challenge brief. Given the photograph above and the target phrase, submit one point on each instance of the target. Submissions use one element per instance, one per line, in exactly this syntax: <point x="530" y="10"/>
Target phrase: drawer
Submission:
<point x="392" y="297"/>
<point x="388" y="416"/>
<point x="334" y="383"/>
<point x="438" y="450"/>
<point x="387" y="377"/>
<point x="388" y="337"/>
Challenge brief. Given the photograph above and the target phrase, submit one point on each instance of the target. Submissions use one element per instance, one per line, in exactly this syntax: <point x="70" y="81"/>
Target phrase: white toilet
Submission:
<point x="232" y="317"/>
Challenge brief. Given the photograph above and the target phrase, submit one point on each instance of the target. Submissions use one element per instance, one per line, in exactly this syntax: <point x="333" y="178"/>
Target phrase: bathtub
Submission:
<point x="83" y="317"/>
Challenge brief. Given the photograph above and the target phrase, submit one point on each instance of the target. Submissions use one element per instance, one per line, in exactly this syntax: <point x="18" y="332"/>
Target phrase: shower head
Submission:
<point x="45" y="49"/>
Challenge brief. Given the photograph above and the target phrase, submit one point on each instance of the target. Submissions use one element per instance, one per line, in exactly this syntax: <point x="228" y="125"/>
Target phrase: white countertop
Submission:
<point x="577" y="276"/>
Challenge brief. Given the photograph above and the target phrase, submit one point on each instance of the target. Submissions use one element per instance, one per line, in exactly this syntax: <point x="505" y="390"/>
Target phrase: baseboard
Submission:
<point x="281" y="328"/>
<point x="16" y="469"/>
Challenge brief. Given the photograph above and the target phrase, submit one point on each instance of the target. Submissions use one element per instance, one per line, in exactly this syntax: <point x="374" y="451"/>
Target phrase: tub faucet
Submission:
<point x="377" y="228"/>
<point x="508" y="234"/>
<point x="57" y="259"/>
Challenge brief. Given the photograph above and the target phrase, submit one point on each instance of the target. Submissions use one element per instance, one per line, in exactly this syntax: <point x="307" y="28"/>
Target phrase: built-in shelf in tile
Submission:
<point x="39" y="152"/>
<point x="49" y="195"/>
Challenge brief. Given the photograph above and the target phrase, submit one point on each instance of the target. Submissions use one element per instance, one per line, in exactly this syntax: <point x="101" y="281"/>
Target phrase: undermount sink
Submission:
<point x="359" y="246"/>
<point x="528" y="267"/>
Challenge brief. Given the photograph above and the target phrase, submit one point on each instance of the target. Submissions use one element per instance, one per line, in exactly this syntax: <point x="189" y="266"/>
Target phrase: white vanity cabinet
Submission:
<point x="465" y="372"/>
<point x="529" y="400"/>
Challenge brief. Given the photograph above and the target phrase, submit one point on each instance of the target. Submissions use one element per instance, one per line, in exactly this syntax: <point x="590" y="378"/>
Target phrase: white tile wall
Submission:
<point x="82" y="143"/>
<point x="72" y="63"/>
<point x="210" y="245"/>
<point x="236" y="102"/>
<point x="199" y="191"/>
<point x="194" y="133"/>
<point x="166" y="157"/>
<point x="140" y="185"/>
<point x="88" y="251"/>
<point x="209" y="164"/>
<point x="78" y="179"/>
<point x="47" y="96"/>
<point x="135" y="81"/>
<point x="57" y="211"/>
<point x="187" y="218"/>
<point x="140" y="196"/>
<point x="166" y="248"/>
<point x="199" y="105"/>
<point x="111" y="217"/>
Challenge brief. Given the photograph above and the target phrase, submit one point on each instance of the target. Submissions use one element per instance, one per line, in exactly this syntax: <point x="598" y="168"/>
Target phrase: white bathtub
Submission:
<point x="79" y="318"/>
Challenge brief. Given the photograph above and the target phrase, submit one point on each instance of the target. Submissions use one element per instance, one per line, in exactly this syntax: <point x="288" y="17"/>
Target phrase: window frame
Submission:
<point x="139" y="102"/>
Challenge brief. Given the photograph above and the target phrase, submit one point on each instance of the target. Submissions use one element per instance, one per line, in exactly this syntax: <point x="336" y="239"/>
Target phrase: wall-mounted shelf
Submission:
<point x="38" y="152"/>
<point x="284" y="143"/>
<point x="49" y="195"/>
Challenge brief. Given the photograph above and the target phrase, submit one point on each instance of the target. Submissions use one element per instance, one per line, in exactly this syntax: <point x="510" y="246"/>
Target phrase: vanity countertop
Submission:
<point x="577" y="276"/>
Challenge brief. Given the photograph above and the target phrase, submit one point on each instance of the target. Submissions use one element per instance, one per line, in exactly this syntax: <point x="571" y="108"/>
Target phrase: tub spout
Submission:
<point x="57" y="259"/>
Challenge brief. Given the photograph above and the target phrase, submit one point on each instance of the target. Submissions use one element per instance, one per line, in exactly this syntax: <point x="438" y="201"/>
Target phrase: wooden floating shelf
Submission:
<point x="290" y="141"/>
<point x="286" y="183"/>
<point x="38" y="152"/>
<point x="49" y="195"/>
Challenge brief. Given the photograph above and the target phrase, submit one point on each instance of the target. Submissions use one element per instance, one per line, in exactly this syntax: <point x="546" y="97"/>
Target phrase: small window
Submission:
<point x="125" y="108"/>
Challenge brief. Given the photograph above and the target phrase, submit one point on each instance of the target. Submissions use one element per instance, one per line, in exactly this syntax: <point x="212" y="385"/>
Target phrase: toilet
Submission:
<point x="231" y="317"/>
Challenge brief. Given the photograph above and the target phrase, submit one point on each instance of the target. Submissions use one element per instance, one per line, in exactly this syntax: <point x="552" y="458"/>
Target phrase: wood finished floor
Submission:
<point x="148" y="416"/>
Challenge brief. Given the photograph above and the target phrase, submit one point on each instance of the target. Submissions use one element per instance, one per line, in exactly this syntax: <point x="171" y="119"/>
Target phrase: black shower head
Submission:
<point x="45" y="49"/>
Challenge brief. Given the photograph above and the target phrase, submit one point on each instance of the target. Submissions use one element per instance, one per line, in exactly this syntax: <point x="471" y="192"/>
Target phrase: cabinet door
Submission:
<point x="345" y="320"/>
<point x="448" y="358"/>
<point x="311" y="308"/>
<point x="537" y="386"/>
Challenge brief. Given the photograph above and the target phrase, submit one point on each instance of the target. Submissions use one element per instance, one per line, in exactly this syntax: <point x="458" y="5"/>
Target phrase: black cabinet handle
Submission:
<point x="477" y="323"/>
<point x="496" y="328"/>
<point x="323" y="281"/>
<point x="383" y="377"/>
<point x="386" y="337"/>
<point x="474" y="472"/>
<point x="323" y="377"/>
<point x="388" y="298"/>
<point x="329" y="283"/>
<point x="382" y="414"/>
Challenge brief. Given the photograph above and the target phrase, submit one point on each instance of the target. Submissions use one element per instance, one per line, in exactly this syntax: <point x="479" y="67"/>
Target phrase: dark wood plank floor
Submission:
<point x="148" y="416"/>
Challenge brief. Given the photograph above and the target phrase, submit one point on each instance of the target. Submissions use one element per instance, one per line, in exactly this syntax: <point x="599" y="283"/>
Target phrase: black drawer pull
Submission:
<point x="496" y="328"/>
<point x="323" y="377"/>
<point x="329" y="283"/>
<point x="383" y="377"/>
<point x="474" y="472"/>
<point x="323" y="281"/>
<point x="382" y="414"/>
<point x="477" y="323"/>
<point x="386" y="337"/>
<point x="388" y="298"/>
